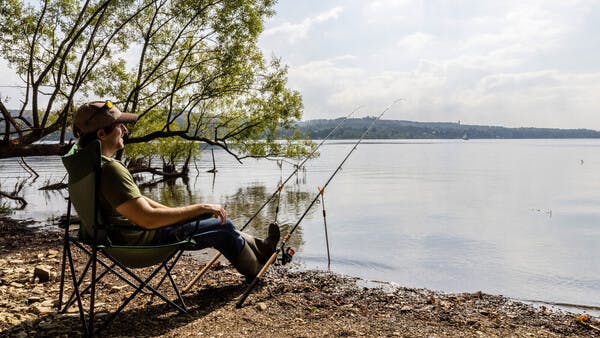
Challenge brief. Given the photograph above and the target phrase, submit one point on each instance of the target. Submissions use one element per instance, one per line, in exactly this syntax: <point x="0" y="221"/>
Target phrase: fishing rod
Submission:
<point x="286" y="253"/>
<point x="276" y="192"/>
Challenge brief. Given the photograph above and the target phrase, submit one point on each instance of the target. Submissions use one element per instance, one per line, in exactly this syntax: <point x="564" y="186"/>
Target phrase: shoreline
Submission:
<point x="287" y="303"/>
<point x="574" y="309"/>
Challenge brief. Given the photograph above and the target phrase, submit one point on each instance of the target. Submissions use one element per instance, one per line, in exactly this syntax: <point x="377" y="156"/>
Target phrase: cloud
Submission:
<point x="415" y="42"/>
<point x="299" y="31"/>
<point x="511" y="39"/>
<point x="510" y="63"/>
<point x="448" y="92"/>
<point x="391" y="11"/>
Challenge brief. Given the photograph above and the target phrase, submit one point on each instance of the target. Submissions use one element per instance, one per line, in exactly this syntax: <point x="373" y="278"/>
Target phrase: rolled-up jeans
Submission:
<point x="207" y="232"/>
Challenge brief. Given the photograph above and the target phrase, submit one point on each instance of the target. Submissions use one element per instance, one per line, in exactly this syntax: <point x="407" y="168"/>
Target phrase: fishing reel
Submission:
<point x="286" y="255"/>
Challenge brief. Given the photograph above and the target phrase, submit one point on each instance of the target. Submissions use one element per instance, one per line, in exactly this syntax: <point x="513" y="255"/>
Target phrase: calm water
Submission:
<point x="519" y="218"/>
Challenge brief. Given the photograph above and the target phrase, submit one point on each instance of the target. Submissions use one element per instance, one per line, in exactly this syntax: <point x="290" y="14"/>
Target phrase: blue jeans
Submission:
<point x="207" y="232"/>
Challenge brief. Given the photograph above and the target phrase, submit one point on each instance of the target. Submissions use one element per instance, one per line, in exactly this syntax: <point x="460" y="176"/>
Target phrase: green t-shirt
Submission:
<point x="117" y="187"/>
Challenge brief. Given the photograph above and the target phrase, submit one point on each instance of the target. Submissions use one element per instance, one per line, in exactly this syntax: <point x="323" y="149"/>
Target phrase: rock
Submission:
<point x="38" y="290"/>
<point x="16" y="285"/>
<point x="116" y="289"/>
<point x="406" y="308"/>
<point x="16" y="261"/>
<point x="261" y="306"/>
<point x="41" y="310"/>
<point x="33" y="299"/>
<point x="42" y="273"/>
<point x="52" y="252"/>
<point x="69" y="314"/>
<point x="49" y="303"/>
<point x="48" y="325"/>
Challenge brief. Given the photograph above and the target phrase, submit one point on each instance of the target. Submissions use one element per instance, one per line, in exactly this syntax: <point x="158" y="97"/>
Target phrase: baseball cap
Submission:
<point x="94" y="115"/>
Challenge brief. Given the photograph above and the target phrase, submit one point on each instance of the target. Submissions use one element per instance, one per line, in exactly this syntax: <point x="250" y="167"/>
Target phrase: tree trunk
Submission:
<point x="10" y="150"/>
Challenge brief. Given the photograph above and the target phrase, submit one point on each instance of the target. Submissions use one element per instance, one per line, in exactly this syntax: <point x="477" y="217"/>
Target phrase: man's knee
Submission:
<point x="229" y="226"/>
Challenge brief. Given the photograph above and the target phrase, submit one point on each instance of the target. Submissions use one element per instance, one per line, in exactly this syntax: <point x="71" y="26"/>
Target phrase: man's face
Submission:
<point x="114" y="141"/>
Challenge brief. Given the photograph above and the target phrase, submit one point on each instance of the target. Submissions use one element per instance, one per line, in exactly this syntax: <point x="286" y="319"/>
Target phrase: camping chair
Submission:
<point x="83" y="167"/>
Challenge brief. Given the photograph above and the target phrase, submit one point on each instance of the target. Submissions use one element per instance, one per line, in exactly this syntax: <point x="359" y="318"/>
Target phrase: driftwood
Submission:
<point x="214" y="168"/>
<point x="27" y="168"/>
<point x="13" y="195"/>
<point x="14" y="198"/>
<point x="55" y="186"/>
<point x="155" y="171"/>
<point x="166" y="176"/>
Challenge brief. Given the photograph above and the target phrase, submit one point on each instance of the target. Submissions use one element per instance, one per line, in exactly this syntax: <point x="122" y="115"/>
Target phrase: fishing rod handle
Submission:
<point x="202" y="272"/>
<point x="262" y="271"/>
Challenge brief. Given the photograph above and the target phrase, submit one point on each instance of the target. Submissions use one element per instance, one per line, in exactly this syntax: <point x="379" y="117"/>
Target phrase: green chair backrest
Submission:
<point x="84" y="168"/>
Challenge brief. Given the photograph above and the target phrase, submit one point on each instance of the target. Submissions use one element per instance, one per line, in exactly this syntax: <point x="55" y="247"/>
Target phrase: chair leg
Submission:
<point x="93" y="292"/>
<point x="143" y="284"/>
<point x="64" y="256"/>
<point x="168" y="274"/>
<point x="62" y="273"/>
<point x="78" y="283"/>
<point x="76" y="291"/>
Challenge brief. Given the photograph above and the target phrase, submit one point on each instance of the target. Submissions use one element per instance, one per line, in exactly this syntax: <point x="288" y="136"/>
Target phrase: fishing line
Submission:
<point x="286" y="253"/>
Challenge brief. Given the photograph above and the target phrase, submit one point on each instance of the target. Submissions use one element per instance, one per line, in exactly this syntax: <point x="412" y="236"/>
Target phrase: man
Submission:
<point x="137" y="219"/>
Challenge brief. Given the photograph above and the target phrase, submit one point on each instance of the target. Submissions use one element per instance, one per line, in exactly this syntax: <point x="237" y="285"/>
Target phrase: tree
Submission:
<point x="190" y="69"/>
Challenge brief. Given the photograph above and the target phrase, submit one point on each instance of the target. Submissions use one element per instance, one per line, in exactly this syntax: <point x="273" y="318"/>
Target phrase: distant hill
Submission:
<point x="399" y="129"/>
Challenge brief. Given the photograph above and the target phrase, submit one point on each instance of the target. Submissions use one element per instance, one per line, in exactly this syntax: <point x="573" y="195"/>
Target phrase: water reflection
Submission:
<point x="247" y="200"/>
<point x="172" y="192"/>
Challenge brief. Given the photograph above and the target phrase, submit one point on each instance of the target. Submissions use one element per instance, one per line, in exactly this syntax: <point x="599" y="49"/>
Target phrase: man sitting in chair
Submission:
<point x="138" y="220"/>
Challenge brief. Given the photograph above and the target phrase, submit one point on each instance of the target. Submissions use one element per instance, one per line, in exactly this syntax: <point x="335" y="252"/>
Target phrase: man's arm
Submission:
<point x="149" y="214"/>
<point x="153" y="203"/>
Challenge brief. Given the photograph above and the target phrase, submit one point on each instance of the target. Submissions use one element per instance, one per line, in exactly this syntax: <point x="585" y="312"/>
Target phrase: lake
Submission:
<point x="519" y="218"/>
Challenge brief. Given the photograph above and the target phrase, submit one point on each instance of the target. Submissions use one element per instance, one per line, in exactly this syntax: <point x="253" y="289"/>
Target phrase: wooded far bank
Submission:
<point x="399" y="129"/>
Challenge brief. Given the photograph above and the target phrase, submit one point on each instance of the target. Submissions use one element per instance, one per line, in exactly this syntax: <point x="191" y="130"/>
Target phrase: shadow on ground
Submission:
<point x="138" y="319"/>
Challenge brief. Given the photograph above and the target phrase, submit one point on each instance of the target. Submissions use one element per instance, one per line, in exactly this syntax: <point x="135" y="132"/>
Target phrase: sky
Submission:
<point x="511" y="63"/>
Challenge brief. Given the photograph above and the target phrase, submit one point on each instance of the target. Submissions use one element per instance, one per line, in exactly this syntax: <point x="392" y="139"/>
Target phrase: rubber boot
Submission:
<point x="264" y="248"/>
<point x="246" y="262"/>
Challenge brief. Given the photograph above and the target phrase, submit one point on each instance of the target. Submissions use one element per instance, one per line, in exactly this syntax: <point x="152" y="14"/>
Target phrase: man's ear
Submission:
<point x="100" y="133"/>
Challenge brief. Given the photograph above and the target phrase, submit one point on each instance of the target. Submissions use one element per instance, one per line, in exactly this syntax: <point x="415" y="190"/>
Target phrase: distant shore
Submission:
<point x="400" y="129"/>
<point x="298" y="304"/>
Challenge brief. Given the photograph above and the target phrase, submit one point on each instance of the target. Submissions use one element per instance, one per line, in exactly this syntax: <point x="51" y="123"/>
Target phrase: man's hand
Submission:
<point x="218" y="211"/>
